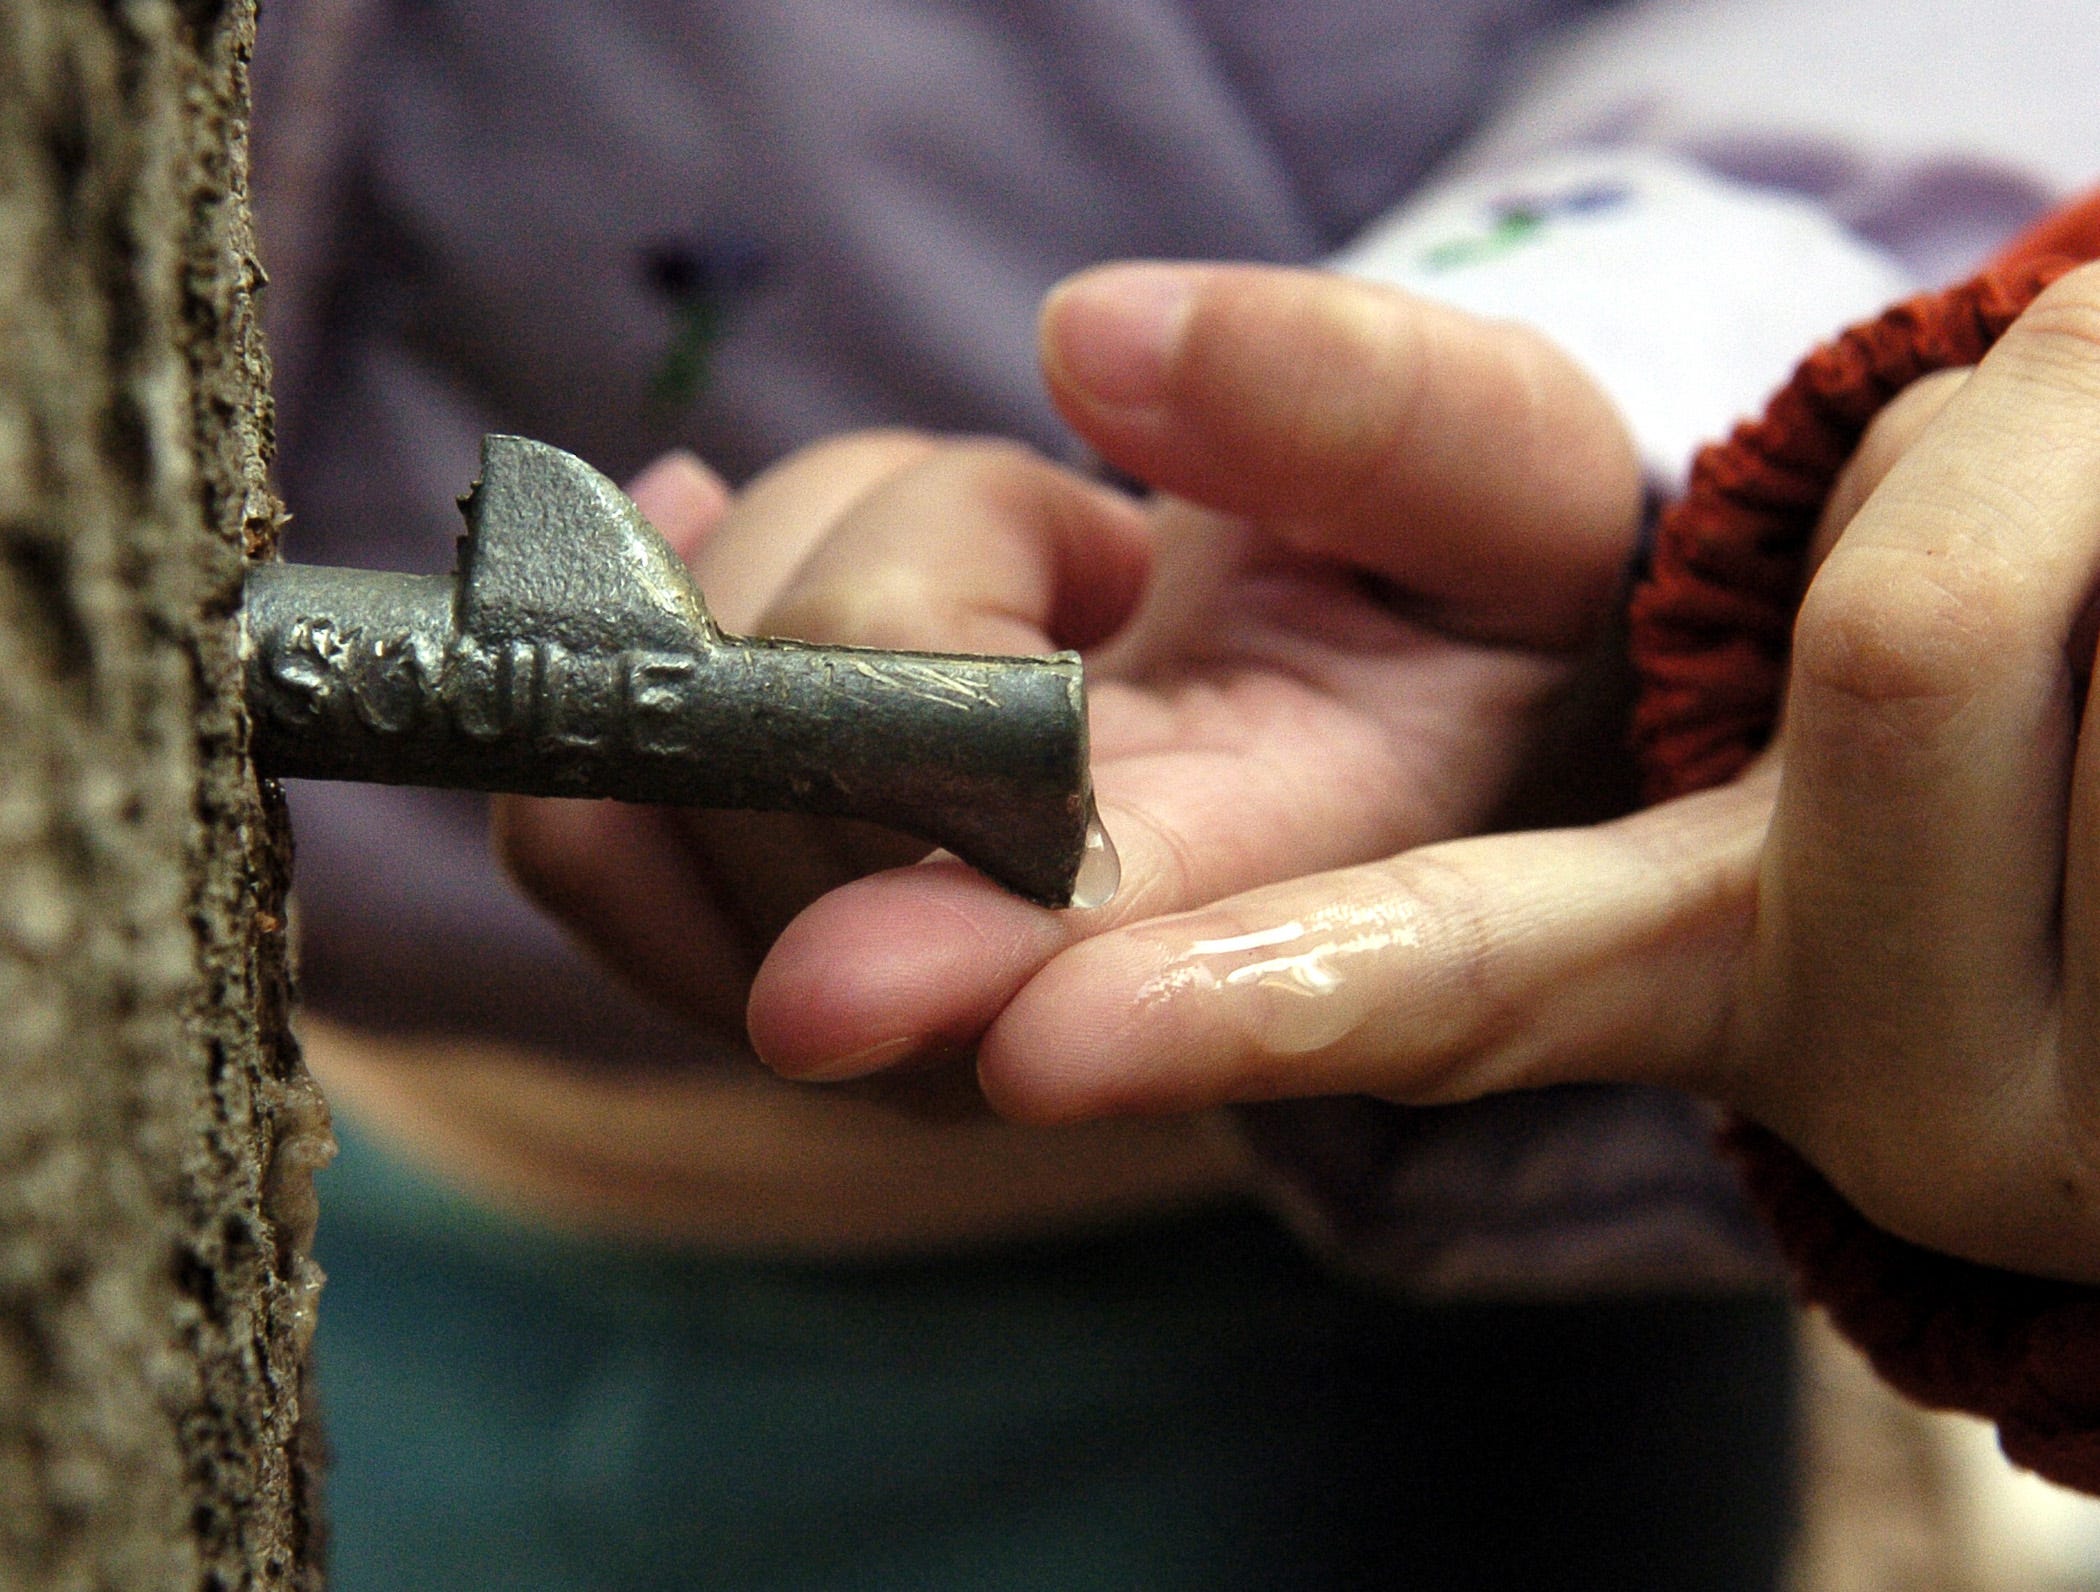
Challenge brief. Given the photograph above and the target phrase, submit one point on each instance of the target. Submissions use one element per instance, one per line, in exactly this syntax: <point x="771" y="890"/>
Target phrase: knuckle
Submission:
<point x="1567" y="435"/>
<point x="987" y="469"/>
<point x="910" y="564"/>
<point x="1439" y="386"/>
<point x="1370" y="431"/>
<point x="881" y="606"/>
<point x="871" y="456"/>
<point x="1906" y="634"/>
<point x="1467" y="1009"/>
<point x="1312" y="381"/>
<point x="2059" y="335"/>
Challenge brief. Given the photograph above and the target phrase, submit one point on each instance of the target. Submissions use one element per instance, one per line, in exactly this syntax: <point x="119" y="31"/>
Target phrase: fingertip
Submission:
<point x="614" y="877"/>
<point x="682" y="498"/>
<point x="1033" y="1072"/>
<point x="544" y="846"/>
<point x="1105" y="553"/>
<point x="891" y="968"/>
<point x="1101" y="1031"/>
<point x="1039" y="1089"/>
<point x="1108" y="337"/>
<point x="1029" y="1096"/>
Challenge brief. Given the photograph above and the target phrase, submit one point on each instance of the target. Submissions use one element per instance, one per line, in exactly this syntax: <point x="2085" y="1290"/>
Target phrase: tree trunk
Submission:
<point x="157" y="1133"/>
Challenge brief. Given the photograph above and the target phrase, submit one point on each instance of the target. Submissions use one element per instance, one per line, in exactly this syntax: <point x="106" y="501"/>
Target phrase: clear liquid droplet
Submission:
<point x="1100" y="869"/>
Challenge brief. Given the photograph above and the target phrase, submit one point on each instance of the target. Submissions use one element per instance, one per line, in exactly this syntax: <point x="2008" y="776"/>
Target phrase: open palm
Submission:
<point x="1390" y="531"/>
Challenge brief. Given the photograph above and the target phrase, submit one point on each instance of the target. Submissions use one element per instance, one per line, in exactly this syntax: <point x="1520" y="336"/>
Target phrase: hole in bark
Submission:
<point x="200" y="1282"/>
<point x="44" y="611"/>
<point x="238" y="1245"/>
<point x="125" y="437"/>
<point x="66" y="137"/>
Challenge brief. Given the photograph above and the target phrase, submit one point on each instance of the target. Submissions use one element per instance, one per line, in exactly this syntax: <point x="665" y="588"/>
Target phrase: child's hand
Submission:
<point x="1883" y="941"/>
<point x="1411" y="524"/>
<point x="684" y="903"/>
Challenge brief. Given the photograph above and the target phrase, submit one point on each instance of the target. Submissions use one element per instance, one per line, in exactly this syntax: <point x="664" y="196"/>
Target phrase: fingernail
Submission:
<point x="1112" y="332"/>
<point x="859" y="1063"/>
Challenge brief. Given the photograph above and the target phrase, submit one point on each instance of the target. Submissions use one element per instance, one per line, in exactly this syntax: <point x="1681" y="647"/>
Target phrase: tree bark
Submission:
<point x="157" y="1133"/>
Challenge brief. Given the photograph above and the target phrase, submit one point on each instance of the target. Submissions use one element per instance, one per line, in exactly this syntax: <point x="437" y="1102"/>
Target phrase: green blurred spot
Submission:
<point x="683" y="373"/>
<point x="1509" y="231"/>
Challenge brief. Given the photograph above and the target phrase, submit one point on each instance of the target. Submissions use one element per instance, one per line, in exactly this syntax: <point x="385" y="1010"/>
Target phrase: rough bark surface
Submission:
<point x="156" y="1130"/>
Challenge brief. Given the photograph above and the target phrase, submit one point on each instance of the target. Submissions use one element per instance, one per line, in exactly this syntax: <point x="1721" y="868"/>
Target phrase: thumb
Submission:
<point x="1469" y="462"/>
<point x="1505" y="962"/>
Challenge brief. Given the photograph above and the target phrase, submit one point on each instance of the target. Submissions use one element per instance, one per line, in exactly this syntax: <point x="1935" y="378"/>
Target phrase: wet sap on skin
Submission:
<point x="1288" y="987"/>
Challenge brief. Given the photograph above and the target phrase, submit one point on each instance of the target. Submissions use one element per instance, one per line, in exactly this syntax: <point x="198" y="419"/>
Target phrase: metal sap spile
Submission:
<point x="571" y="655"/>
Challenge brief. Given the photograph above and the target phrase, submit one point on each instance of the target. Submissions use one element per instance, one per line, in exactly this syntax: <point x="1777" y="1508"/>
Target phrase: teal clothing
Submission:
<point x="1184" y="1403"/>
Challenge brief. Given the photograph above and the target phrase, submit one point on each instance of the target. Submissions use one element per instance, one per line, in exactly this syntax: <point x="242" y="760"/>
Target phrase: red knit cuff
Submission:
<point x="1712" y="618"/>
<point x="1710" y="629"/>
<point x="2021" y="1351"/>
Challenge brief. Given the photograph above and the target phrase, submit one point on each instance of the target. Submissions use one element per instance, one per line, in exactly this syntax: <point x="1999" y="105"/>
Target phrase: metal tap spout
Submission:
<point x="571" y="655"/>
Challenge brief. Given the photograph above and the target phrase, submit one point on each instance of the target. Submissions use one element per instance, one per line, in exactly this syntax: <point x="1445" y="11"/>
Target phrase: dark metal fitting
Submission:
<point x="571" y="655"/>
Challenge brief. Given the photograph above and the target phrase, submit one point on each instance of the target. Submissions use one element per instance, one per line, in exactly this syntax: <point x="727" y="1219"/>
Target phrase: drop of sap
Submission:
<point x="1100" y="869"/>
